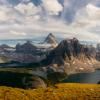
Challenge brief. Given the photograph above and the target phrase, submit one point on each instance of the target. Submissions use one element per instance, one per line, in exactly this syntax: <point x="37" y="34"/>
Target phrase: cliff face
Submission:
<point x="98" y="52"/>
<point x="73" y="55"/>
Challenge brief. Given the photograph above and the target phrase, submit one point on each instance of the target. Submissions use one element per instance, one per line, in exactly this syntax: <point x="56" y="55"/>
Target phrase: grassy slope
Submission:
<point x="65" y="91"/>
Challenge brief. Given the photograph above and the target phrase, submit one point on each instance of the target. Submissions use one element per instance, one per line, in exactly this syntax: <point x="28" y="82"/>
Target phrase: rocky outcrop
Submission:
<point x="50" y="39"/>
<point x="98" y="56"/>
<point x="27" y="47"/>
<point x="98" y="47"/>
<point x="71" y="56"/>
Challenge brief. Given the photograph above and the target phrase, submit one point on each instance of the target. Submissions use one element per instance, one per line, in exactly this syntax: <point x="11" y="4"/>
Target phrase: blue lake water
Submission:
<point x="93" y="77"/>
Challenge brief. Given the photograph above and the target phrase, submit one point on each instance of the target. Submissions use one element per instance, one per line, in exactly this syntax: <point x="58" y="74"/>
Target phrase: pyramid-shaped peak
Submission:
<point x="51" y="39"/>
<point x="50" y="34"/>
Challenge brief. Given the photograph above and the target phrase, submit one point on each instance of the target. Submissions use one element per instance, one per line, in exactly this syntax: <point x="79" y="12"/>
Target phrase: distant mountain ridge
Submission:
<point x="69" y="54"/>
<point x="27" y="47"/>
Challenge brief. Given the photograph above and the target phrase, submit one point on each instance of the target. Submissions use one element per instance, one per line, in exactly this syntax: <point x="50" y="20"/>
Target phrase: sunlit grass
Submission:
<point x="66" y="91"/>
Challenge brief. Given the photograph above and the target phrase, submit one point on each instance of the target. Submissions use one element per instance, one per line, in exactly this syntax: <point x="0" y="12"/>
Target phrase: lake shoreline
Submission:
<point x="91" y="77"/>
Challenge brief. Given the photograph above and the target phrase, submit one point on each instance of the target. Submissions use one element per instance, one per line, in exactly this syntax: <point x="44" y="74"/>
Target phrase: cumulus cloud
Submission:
<point x="93" y="12"/>
<point x="52" y="6"/>
<point x="71" y="7"/>
<point x="27" y="9"/>
<point x="3" y="16"/>
<point x="68" y="18"/>
<point x="88" y="17"/>
<point x="3" y="13"/>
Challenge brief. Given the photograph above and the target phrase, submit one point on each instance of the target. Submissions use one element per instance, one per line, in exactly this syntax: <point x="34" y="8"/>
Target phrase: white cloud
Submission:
<point x="88" y="36"/>
<point x="16" y="33"/>
<point x="8" y="15"/>
<point x="52" y="6"/>
<point x="21" y="13"/>
<point x="3" y="13"/>
<point x="93" y="12"/>
<point x="87" y="17"/>
<point x="3" y="16"/>
<point x="27" y="9"/>
<point x="26" y="20"/>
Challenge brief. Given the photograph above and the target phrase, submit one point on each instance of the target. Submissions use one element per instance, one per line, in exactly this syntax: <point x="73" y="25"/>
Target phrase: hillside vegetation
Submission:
<point x="65" y="91"/>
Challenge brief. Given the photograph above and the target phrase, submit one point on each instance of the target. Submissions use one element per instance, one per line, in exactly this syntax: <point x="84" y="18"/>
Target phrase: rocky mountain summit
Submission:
<point x="71" y="56"/>
<point x="51" y="39"/>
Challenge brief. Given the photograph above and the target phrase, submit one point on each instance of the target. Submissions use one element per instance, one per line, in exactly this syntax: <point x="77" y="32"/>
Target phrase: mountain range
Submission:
<point x="69" y="53"/>
<point x="72" y="55"/>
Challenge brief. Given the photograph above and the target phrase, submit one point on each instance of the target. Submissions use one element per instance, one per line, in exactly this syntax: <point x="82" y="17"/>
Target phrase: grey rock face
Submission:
<point x="26" y="48"/>
<point x="73" y="56"/>
<point x="68" y="49"/>
<point x="50" y="39"/>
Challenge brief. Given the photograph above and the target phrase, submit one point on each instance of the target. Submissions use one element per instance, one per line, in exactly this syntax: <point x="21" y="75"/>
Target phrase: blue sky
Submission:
<point x="65" y="18"/>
